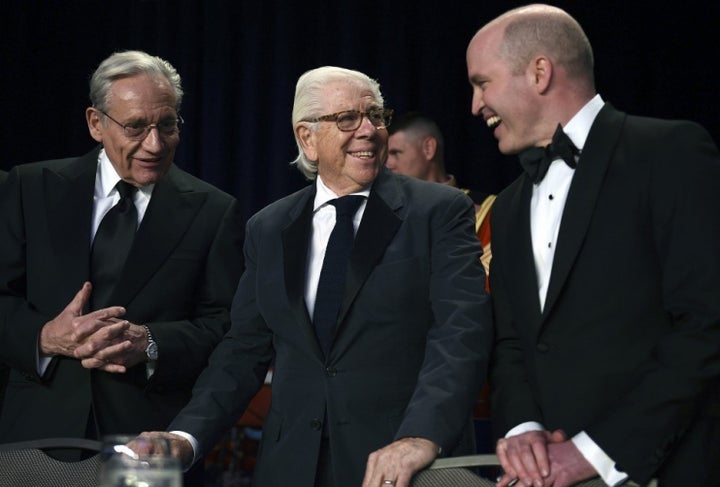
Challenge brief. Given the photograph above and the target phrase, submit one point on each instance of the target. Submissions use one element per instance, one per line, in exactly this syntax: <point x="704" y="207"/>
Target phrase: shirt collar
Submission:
<point x="579" y="126"/>
<point x="323" y="194"/>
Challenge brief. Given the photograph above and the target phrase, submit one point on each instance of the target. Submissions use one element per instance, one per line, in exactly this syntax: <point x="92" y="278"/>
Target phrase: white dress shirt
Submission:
<point x="106" y="194"/>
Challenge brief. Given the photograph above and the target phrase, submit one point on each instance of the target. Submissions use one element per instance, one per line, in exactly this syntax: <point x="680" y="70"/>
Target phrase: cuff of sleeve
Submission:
<point x="601" y="462"/>
<point x="524" y="428"/>
<point x="150" y="366"/>
<point x="42" y="364"/>
<point x="195" y="447"/>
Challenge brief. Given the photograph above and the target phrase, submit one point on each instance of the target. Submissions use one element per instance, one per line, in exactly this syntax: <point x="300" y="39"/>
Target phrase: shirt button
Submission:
<point x="331" y="371"/>
<point x="316" y="425"/>
<point x="542" y="347"/>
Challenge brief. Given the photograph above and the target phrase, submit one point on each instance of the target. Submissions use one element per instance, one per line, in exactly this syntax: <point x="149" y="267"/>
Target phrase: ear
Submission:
<point x="541" y="73"/>
<point x="429" y="147"/>
<point x="306" y="137"/>
<point x="92" y="116"/>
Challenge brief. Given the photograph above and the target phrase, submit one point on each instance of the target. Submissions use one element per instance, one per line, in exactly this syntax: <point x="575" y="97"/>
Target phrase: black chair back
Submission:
<point x="27" y="463"/>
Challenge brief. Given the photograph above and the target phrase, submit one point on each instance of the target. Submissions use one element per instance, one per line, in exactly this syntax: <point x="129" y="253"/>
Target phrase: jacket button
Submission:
<point x="542" y="347"/>
<point x="331" y="371"/>
<point x="316" y="425"/>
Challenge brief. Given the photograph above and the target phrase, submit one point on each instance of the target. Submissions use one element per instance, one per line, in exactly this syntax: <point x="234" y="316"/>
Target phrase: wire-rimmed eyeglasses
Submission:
<point x="138" y="131"/>
<point x="350" y="120"/>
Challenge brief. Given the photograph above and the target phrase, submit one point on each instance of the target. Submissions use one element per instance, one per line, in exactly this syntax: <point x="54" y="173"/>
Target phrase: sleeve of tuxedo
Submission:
<point x="20" y="322"/>
<point x="512" y="400"/>
<point x="680" y="378"/>
<point x="459" y="341"/>
<point x="236" y="368"/>
<point x="184" y="346"/>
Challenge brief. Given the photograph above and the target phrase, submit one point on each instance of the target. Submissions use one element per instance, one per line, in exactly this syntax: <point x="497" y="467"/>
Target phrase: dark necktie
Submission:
<point x="331" y="286"/>
<point x="111" y="246"/>
<point x="536" y="160"/>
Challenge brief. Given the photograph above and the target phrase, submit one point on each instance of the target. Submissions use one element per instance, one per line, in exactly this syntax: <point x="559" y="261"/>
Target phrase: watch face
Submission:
<point x="152" y="351"/>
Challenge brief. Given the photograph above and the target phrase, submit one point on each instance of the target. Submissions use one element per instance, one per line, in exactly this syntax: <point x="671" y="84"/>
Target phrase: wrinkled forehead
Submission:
<point x="348" y="95"/>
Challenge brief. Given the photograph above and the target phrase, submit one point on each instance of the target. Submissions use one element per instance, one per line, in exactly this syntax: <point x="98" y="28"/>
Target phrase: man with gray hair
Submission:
<point x="117" y="269"/>
<point x="379" y="353"/>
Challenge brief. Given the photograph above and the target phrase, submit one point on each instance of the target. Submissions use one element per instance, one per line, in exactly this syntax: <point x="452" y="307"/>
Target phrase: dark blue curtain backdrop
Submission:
<point x="239" y="61"/>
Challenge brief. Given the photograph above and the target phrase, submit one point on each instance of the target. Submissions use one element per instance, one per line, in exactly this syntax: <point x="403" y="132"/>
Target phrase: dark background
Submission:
<point x="239" y="61"/>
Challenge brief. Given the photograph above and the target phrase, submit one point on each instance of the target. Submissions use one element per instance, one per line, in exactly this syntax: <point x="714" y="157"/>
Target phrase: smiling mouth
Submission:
<point x="493" y="121"/>
<point x="363" y="154"/>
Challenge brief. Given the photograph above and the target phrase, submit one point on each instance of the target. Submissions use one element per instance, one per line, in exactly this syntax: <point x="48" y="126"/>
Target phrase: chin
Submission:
<point x="369" y="175"/>
<point x="508" y="148"/>
<point x="145" y="177"/>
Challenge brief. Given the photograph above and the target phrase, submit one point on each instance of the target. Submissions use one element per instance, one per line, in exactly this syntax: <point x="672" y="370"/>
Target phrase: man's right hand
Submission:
<point x="524" y="457"/>
<point x="180" y="447"/>
<point x="68" y="330"/>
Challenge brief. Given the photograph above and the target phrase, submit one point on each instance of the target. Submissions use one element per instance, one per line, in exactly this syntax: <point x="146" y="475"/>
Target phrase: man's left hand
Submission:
<point x="395" y="465"/>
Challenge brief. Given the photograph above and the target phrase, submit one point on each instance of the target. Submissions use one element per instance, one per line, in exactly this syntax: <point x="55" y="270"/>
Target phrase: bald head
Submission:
<point x="541" y="29"/>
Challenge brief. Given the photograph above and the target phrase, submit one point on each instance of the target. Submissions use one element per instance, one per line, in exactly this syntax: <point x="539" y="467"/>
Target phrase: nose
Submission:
<point x="153" y="140"/>
<point x="477" y="102"/>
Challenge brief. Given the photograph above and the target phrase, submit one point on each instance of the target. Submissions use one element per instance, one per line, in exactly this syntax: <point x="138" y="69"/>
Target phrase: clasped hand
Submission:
<point x="541" y="459"/>
<point x="100" y="339"/>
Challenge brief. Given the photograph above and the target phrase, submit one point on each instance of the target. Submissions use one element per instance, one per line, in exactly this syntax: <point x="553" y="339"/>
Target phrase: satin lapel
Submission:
<point x="379" y="225"/>
<point x="582" y="196"/>
<point x="69" y="207"/>
<point x="520" y="262"/>
<point x="295" y="241"/>
<point x="172" y="209"/>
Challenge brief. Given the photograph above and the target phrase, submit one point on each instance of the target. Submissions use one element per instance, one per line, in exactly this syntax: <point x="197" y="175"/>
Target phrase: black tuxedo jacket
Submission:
<point x="178" y="280"/>
<point x="409" y="353"/>
<point x="627" y="347"/>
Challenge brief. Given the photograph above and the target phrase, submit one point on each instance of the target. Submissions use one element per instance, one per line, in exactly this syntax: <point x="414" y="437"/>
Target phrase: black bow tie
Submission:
<point x="536" y="160"/>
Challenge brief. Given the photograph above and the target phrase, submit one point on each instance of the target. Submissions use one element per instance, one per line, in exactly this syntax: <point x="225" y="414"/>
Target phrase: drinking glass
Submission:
<point x="121" y="466"/>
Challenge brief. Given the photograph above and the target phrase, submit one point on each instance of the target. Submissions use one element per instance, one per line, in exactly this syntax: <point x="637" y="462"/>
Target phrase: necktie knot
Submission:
<point x="125" y="189"/>
<point x="347" y="205"/>
<point x="536" y="160"/>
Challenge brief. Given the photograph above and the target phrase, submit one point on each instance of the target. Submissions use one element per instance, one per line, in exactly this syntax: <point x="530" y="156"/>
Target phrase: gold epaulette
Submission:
<point x="482" y="211"/>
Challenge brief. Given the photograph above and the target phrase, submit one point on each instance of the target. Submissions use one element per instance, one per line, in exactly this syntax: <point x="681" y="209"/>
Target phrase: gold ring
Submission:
<point x="388" y="482"/>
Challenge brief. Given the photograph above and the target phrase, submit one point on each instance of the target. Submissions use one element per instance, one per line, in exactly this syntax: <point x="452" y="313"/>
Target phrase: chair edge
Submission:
<point x="46" y="443"/>
<point x="485" y="459"/>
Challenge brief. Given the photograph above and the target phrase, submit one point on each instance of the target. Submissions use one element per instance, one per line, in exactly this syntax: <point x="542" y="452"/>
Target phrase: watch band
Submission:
<point x="152" y="349"/>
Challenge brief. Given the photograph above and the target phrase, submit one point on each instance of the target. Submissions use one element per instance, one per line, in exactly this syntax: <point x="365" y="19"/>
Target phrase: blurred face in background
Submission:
<point x="407" y="156"/>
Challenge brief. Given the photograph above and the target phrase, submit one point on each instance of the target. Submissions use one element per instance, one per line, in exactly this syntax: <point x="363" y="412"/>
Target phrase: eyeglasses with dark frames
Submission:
<point x="349" y="120"/>
<point x="138" y="131"/>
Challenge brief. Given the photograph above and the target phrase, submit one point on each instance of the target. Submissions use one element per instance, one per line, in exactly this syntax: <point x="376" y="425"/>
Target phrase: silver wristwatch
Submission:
<point x="152" y="349"/>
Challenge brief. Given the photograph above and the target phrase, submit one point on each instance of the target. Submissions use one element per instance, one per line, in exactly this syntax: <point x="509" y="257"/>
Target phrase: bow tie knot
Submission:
<point x="536" y="160"/>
